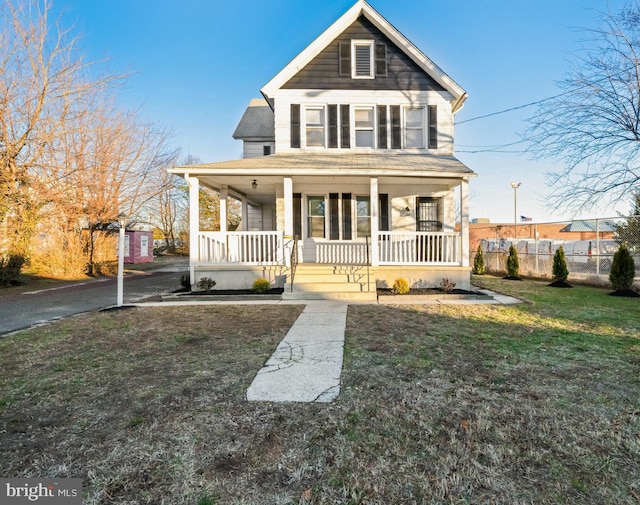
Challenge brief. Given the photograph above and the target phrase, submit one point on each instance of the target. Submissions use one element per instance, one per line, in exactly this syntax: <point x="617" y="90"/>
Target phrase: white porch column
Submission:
<point x="288" y="219"/>
<point x="374" y="200"/>
<point x="464" y="221"/>
<point x="244" y="222"/>
<point x="224" y="194"/>
<point x="194" y="225"/>
<point x="288" y="207"/>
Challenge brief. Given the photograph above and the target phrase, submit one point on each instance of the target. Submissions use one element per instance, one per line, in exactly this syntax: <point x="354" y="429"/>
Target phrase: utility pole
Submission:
<point x="515" y="186"/>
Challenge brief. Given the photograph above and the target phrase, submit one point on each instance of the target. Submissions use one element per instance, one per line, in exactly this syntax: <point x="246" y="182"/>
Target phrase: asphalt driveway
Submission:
<point x="30" y="308"/>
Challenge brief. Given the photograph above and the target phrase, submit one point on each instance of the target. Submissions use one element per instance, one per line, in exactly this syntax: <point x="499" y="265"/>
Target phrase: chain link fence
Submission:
<point x="589" y="245"/>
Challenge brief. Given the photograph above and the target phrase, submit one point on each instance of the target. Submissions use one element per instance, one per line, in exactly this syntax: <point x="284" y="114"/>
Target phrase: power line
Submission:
<point x="514" y="108"/>
<point x="492" y="149"/>
<point x="538" y="102"/>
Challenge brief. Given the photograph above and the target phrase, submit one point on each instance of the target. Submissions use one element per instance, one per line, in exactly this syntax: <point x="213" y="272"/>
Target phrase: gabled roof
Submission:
<point x="362" y="8"/>
<point x="257" y="122"/>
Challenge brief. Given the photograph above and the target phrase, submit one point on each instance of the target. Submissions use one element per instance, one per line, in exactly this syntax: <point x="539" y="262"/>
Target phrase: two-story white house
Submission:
<point x="349" y="179"/>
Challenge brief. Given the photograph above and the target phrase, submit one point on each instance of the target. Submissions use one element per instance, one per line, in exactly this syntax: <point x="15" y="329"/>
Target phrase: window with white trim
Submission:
<point x="314" y="125"/>
<point x="315" y="216"/>
<point x="364" y="126"/>
<point x="414" y="127"/>
<point x="363" y="216"/>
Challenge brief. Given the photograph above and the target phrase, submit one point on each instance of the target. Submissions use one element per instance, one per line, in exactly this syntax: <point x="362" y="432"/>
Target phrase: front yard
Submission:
<point x="535" y="403"/>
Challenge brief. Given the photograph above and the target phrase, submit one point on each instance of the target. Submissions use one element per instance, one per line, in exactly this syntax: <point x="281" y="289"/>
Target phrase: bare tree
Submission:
<point x="593" y="126"/>
<point x="42" y="81"/>
<point x="66" y="150"/>
<point x="108" y="163"/>
<point x="210" y="210"/>
<point x="168" y="210"/>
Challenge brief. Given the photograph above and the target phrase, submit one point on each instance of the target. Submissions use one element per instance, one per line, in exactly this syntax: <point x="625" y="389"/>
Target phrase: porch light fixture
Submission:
<point x="405" y="212"/>
<point x="254" y="184"/>
<point x="122" y="221"/>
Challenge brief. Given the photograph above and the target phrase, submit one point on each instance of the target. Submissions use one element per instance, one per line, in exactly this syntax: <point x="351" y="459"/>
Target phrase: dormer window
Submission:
<point x="362" y="59"/>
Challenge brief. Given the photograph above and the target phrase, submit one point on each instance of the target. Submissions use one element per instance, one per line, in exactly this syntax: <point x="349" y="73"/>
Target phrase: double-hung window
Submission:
<point x="364" y="131"/>
<point x="315" y="216"/>
<point x="363" y="213"/>
<point x="315" y="125"/>
<point x="414" y="127"/>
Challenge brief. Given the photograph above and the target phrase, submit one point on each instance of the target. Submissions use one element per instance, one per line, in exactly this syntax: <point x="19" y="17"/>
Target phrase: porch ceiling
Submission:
<point x="267" y="186"/>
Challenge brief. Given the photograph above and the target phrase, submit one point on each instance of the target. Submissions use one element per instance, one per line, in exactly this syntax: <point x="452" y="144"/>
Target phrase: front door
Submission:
<point x="428" y="214"/>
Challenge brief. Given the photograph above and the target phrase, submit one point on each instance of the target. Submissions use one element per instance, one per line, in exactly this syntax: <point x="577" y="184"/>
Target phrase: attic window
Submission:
<point x="362" y="59"/>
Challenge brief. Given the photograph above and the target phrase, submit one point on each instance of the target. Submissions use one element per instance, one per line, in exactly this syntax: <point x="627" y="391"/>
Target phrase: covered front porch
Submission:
<point x="387" y="218"/>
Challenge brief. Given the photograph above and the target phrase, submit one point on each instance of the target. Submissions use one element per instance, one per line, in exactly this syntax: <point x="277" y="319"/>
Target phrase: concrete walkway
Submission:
<point x="307" y="364"/>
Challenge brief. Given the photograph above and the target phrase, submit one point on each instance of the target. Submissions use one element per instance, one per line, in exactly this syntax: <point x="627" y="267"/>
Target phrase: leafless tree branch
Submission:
<point x="593" y="128"/>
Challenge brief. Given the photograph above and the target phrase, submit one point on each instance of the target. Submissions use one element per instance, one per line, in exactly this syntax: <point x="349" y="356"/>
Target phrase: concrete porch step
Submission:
<point x="362" y="296"/>
<point x="331" y="282"/>
<point x="328" y="285"/>
<point x="304" y="268"/>
<point x="314" y="278"/>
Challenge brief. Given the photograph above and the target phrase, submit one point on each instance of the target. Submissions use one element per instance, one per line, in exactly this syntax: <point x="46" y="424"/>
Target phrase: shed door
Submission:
<point x="144" y="246"/>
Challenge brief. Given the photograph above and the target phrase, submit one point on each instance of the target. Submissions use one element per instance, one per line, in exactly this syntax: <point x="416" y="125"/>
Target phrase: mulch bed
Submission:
<point x="427" y="291"/>
<point x="629" y="293"/>
<point x="560" y="284"/>
<point x="231" y="292"/>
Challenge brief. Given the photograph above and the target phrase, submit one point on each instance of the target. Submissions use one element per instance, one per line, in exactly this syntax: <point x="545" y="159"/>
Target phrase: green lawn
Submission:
<point x="534" y="403"/>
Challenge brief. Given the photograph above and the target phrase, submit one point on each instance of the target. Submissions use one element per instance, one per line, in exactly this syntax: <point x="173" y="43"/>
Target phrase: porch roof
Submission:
<point x="415" y="165"/>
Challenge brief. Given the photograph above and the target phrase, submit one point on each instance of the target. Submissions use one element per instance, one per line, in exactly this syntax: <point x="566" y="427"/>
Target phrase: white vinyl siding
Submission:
<point x="256" y="149"/>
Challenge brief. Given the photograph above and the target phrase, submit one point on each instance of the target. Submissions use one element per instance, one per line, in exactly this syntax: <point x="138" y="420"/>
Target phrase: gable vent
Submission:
<point x="363" y="60"/>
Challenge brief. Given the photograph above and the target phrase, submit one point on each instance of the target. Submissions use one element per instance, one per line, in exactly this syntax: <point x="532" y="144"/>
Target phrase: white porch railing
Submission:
<point x="342" y="253"/>
<point x="419" y="248"/>
<point x="394" y="248"/>
<point x="246" y="247"/>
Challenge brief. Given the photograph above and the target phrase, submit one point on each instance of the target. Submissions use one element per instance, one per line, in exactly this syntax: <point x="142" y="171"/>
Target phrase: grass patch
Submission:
<point x="536" y="403"/>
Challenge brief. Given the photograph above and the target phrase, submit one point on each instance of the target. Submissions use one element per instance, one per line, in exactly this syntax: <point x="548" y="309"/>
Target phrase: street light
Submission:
<point x="122" y="221"/>
<point x="515" y="186"/>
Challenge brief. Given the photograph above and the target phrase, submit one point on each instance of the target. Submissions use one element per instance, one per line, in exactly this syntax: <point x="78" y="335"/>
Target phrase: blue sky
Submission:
<point x="195" y="64"/>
